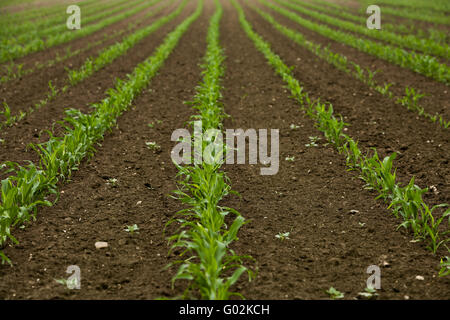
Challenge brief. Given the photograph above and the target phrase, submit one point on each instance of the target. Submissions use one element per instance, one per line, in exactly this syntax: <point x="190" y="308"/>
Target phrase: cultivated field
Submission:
<point x="352" y="206"/>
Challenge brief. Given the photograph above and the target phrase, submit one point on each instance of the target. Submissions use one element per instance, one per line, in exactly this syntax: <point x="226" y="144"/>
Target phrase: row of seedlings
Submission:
<point x="203" y="234"/>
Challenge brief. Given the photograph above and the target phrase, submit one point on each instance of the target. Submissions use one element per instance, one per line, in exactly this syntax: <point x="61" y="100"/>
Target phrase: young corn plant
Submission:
<point x="369" y="80"/>
<point x="359" y="72"/>
<point x="330" y="125"/>
<point x="313" y="142"/>
<point x="132" y="229"/>
<point x="445" y="267"/>
<point x="378" y="174"/>
<point x="384" y="90"/>
<point x="411" y="100"/>
<point x="21" y="195"/>
<point x="6" y="113"/>
<point x="369" y="293"/>
<point x="334" y="293"/>
<point x="353" y="153"/>
<point x="408" y="203"/>
<point x="153" y="145"/>
<point x="112" y="182"/>
<point x="53" y="91"/>
<point x="405" y="202"/>
<point x="283" y="235"/>
<point x="69" y="283"/>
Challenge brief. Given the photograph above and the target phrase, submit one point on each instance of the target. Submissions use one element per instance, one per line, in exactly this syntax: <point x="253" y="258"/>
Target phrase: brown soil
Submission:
<point x="311" y="197"/>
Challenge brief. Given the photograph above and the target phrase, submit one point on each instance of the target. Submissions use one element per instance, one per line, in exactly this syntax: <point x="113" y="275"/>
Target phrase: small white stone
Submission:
<point x="139" y="202"/>
<point x="101" y="244"/>
<point x="420" y="278"/>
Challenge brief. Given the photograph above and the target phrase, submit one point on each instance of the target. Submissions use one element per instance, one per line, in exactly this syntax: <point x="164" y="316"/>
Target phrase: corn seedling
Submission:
<point x="369" y="293"/>
<point x="53" y="91"/>
<point x="334" y="294"/>
<point x="312" y="142"/>
<point x="282" y="236"/>
<point x="153" y="145"/>
<point x="68" y="54"/>
<point x="384" y="90"/>
<point x="359" y="72"/>
<point x="445" y="267"/>
<point x="112" y="182"/>
<point x="10" y="119"/>
<point x="370" y="78"/>
<point x="411" y="99"/>
<point x="132" y="229"/>
<point x="291" y="159"/>
<point x="68" y="283"/>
